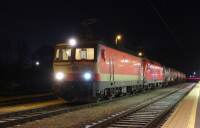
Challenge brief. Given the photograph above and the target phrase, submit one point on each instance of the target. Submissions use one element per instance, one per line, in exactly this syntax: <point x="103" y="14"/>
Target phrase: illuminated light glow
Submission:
<point x="37" y="63"/>
<point x="67" y="52"/>
<point x="140" y="54"/>
<point x="194" y="73"/>
<point x="72" y="42"/>
<point x="118" y="37"/>
<point x="59" y="76"/>
<point x="87" y="76"/>
<point x="192" y="78"/>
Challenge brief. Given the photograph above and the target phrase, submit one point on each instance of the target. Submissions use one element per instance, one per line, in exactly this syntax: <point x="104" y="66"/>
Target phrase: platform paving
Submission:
<point x="187" y="114"/>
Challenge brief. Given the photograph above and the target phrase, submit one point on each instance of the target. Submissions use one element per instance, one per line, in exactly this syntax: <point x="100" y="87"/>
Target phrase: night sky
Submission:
<point x="166" y="30"/>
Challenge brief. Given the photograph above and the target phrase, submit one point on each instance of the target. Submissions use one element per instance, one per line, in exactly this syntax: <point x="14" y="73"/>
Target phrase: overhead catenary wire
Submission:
<point x="78" y="13"/>
<point x="171" y="32"/>
<point x="129" y="32"/>
<point x="102" y="25"/>
<point x="171" y="19"/>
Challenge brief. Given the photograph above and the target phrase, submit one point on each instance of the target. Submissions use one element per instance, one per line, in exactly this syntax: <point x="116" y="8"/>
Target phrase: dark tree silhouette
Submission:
<point x="22" y="53"/>
<point x="6" y="55"/>
<point x="44" y="55"/>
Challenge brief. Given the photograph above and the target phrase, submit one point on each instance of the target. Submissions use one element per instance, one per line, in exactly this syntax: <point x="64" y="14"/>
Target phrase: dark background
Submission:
<point x="164" y="30"/>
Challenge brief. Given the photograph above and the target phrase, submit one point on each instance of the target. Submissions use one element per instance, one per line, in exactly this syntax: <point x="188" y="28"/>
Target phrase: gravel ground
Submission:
<point x="23" y="96"/>
<point x="20" y="107"/>
<point x="81" y="118"/>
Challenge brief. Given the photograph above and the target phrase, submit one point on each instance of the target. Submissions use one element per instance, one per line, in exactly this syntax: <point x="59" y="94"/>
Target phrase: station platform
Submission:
<point x="187" y="114"/>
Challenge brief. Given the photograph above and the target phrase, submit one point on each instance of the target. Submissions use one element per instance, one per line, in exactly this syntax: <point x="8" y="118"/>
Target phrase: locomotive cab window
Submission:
<point x="146" y="68"/>
<point x="84" y="54"/>
<point x="63" y="54"/>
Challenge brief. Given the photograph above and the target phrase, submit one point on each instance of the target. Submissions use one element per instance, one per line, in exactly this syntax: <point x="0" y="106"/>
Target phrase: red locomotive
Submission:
<point x="91" y="71"/>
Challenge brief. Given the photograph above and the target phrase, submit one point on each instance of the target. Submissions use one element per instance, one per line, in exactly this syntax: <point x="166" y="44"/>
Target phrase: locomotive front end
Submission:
<point x="74" y="71"/>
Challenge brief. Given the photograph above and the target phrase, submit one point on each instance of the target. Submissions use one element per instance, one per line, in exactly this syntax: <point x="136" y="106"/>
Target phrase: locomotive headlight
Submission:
<point x="72" y="42"/>
<point x="87" y="75"/>
<point x="59" y="76"/>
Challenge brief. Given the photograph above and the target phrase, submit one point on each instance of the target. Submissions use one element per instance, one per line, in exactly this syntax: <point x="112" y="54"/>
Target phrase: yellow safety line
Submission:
<point x="191" y="123"/>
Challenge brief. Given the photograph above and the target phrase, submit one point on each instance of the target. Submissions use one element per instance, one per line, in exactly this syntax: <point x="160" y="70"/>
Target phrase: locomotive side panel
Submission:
<point x="118" y="69"/>
<point x="126" y="67"/>
<point x="153" y="73"/>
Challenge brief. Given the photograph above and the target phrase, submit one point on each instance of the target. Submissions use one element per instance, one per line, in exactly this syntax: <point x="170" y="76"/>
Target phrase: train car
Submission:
<point x="153" y="74"/>
<point x="175" y="76"/>
<point x="172" y="80"/>
<point x="90" y="71"/>
<point x="167" y="75"/>
<point x="183" y="78"/>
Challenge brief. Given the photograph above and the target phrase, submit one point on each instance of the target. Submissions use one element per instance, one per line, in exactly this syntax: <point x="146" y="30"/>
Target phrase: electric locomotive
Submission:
<point x="91" y="71"/>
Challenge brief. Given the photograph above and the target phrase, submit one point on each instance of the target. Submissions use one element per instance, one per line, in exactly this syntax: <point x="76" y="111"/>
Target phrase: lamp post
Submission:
<point x="118" y="37"/>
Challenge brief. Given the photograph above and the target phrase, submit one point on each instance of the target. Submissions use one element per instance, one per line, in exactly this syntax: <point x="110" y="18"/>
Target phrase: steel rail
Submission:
<point x="52" y="113"/>
<point x="9" y="94"/>
<point x="162" y="114"/>
<point x="110" y="120"/>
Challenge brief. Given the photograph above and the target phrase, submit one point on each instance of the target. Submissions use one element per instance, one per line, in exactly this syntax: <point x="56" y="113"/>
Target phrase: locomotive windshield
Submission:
<point x="63" y="54"/>
<point x="84" y="54"/>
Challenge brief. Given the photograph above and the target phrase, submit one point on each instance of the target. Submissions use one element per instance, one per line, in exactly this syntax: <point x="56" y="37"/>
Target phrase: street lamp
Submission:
<point x="118" y="37"/>
<point x="140" y="54"/>
<point x="194" y="73"/>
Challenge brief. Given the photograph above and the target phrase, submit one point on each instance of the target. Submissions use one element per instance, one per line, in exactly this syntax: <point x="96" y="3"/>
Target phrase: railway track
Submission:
<point x="146" y="114"/>
<point x="11" y="94"/>
<point x="27" y="100"/>
<point x="14" y="118"/>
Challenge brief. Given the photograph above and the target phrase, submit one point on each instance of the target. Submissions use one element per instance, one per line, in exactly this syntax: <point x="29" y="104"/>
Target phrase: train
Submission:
<point x="92" y="70"/>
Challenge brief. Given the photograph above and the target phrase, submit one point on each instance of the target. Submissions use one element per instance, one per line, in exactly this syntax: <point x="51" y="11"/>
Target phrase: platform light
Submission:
<point x="37" y="63"/>
<point x="72" y="42"/>
<point x="194" y="73"/>
<point x="190" y="76"/>
<point x="117" y="38"/>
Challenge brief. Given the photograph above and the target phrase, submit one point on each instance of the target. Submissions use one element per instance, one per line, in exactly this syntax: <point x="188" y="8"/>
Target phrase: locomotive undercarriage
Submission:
<point x="74" y="91"/>
<point x="95" y="91"/>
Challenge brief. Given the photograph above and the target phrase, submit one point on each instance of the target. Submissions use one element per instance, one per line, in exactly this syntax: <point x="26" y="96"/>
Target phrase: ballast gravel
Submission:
<point x="87" y="116"/>
<point x="23" y="96"/>
<point x="21" y="107"/>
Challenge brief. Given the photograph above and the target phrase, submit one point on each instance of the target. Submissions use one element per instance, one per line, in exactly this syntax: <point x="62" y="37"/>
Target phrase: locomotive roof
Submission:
<point x="111" y="45"/>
